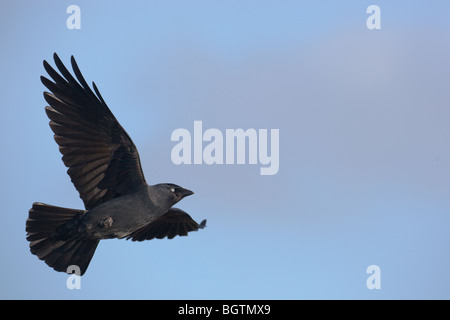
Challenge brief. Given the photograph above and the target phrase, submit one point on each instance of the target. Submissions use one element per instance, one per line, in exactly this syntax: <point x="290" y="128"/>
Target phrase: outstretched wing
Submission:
<point x="102" y="159"/>
<point x="175" y="222"/>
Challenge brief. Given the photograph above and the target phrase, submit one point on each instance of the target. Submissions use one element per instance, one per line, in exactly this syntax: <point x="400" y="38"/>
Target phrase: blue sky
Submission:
<point x="363" y="116"/>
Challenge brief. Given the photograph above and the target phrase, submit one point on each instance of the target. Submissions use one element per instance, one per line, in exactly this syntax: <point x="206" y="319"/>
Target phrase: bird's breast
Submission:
<point x="119" y="217"/>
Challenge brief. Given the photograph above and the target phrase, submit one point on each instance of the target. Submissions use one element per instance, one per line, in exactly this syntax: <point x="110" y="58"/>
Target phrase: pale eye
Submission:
<point x="172" y="189"/>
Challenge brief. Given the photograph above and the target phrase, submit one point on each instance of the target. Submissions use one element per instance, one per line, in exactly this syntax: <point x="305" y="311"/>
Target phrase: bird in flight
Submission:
<point x="103" y="164"/>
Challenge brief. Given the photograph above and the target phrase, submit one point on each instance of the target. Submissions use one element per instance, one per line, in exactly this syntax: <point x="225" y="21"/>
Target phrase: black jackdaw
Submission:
<point x="105" y="168"/>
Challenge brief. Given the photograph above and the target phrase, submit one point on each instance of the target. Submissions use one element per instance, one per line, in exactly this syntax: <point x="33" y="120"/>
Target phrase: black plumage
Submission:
<point x="104" y="166"/>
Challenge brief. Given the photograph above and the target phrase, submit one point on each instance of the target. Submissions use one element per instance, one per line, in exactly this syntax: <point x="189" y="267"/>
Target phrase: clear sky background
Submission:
<point x="364" y="120"/>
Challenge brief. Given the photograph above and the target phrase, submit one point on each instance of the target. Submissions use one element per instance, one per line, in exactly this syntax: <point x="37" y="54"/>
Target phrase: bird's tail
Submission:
<point x="52" y="234"/>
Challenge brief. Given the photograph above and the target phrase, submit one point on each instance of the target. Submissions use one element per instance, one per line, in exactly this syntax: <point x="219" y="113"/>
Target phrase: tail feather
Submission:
<point x="52" y="234"/>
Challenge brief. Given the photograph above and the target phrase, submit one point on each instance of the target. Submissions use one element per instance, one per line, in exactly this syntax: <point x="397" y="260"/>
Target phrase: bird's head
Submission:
<point x="172" y="192"/>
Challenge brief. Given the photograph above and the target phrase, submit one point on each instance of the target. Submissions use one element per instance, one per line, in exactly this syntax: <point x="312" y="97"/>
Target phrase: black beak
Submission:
<point x="185" y="192"/>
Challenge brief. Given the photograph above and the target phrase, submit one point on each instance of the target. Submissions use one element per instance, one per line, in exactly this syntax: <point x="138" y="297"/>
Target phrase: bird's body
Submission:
<point x="119" y="217"/>
<point x="105" y="167"/>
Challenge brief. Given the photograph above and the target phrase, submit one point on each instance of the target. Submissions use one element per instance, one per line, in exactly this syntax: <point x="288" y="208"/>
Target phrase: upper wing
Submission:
<point x="102" y="159"/>
<point x="175" y="222"/>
